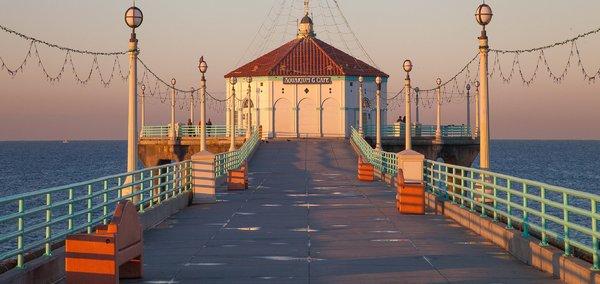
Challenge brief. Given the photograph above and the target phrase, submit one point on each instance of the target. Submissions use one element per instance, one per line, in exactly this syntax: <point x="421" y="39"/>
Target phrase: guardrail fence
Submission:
<point x="420" y="130"/>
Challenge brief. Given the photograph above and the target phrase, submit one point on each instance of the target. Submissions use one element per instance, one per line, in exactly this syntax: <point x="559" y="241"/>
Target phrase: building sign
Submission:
<point x="307" y="80"/>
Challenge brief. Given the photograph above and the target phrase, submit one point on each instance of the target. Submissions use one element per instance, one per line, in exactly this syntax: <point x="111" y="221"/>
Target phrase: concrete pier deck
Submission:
<point x="306" y="219"/>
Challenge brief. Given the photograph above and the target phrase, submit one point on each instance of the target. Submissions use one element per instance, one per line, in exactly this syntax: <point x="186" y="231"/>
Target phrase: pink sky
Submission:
<point x="439" y="37"/>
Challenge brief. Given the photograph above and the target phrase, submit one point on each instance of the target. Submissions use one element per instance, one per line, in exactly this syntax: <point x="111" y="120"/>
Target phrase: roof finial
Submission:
<point x="306" y="7"/>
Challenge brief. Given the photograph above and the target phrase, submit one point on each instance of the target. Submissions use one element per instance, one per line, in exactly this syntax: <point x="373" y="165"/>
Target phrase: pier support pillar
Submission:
<point x="366" y="172"/>
<point x="204" y="181"/>
<point x="238" y="179"/>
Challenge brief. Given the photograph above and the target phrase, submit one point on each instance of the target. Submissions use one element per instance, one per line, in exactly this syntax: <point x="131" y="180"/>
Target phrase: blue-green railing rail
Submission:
<point x="35" y="220"/>
<point x="568" y="216"/>
<point x="225" y="162"/>
<point x="185" y="131"/>
<point x="397" y="130"/>
<point x="385" y="162"/>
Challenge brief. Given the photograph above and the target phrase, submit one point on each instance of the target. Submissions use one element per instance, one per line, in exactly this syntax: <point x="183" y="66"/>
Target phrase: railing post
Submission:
<point x="89" y="208"/>
<point x="203" y="178"/>
<point x="105" y="200"/>
<point x="21" y="209"/>
<point x="544" y="241"/>
<point x="566" y="225"/>
<point x="595" y="257"/>
<point x="495" y="191"/>
<point x="525" y="213"/>
<point x="509" y="207"/>
<point x="48" y="249"/>
<point x="70" y="210"/>
<point x="141" y="193"/>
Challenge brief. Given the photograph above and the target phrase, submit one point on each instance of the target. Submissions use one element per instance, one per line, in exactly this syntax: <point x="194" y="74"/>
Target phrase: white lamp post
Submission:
<point x="232" y="81"/>
<point x="476" y="130"/>
<point x="133" y="19"/>
<point x="417" y="121"/>
<point x="468" y="87"/>
<point x="173" y="130"/>
<point x="143" y="119"/>
<point x="407" y="126"/>
<point x="378" y="81"/>
<point x="438" y="119"/>
<point x="483" y="16"/>
<point x="203" y="67"/>
<point x="192" y="105"/>
<point x="248" y="115"/>
<point x="360" y="104"/>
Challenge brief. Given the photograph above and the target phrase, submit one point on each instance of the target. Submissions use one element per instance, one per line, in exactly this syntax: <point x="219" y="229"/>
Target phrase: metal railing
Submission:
<point x="419" y="130"/>
<point x="569" y="217"/>
<point x="186" y="131"/>
<point x="35" y="220"/>
<point x="225" y="162"/>
<point x="385" y="162"/>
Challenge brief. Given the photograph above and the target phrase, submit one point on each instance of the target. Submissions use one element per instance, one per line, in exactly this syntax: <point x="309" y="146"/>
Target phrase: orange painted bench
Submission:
<point x="114" y="251"/>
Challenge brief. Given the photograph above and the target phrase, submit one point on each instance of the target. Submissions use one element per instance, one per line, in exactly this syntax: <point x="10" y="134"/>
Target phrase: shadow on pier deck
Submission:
<point x="307" y="219"/>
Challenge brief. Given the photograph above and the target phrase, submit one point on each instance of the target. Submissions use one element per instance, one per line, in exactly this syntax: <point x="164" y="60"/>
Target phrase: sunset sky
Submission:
<point x="439" y="36"/>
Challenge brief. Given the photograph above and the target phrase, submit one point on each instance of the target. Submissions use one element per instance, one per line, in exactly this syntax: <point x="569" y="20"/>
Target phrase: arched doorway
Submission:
<point x="283" y="119"/>
<point x="331" y="118"/>
<point x="308" y="118"/>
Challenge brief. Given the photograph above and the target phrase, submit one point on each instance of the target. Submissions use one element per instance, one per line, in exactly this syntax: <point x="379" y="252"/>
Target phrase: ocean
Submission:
<point x="28" y="166"/>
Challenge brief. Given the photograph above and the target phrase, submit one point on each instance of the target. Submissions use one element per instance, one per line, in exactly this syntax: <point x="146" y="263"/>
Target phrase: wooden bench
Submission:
<point x="114" y="251"/>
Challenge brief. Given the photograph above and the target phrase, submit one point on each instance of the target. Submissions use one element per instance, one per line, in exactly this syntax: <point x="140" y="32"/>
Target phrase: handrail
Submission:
<point x="385" y="162"/>
<point x="225" y="162"/>
<point x="35" y="220"/>
<point x="567" y="215"/>
<point x="418" y="130"/>
<point x="185" y="131"/>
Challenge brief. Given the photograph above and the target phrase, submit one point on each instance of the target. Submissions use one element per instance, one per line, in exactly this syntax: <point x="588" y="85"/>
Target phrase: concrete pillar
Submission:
<point x="132" y="107"/>
<point x="204" y="181"/>
<point x="484" y="132"/>
<point x="408" y="124"/>
<point x="410" y="197"/>
<point x="238" y="179"/>
<point x="202" y="112"/>
<point x="366" y="171"/>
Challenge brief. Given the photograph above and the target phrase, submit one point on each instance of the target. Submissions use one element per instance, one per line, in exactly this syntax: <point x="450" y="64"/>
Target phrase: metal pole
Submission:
<point x="202" y="113"/>
<point x="192" y="105"/>
<point x="438" y="120"/>
<point x="232" y="120"/>
<point x="143" y="111"/>
<point x="248" y="122"/>
<point x="476" y="131"/>
<point x="484" y="136"/>
<point x="407" y="125"/>
<point x="468" y="107"/>
<point x="360" y="104"/>
<point x="173" y="130"/>
<point x="417" y="105"/>
<point x="378" y="114"/>
<point x="132" y="111"/>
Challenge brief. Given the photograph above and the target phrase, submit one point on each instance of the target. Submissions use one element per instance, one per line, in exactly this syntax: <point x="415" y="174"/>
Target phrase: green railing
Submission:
<point x="155" y="131"/>
<point x="567" y="216"/>
<point x="385" y="162"/>
<point x="35" y="220"/>
<point x="185" y="131"/>
<point x="225" y="162"/>
<point x="397" y="130"/>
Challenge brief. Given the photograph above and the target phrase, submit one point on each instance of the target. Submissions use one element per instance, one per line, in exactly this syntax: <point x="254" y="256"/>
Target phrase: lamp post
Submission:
<point x="203" y="67"/>
<point x="476" y="131"/>
<point x="407" y="126"/>
<point x="483" y="16"/>
<point x="133" y="19"/>
<point x="438" y="117"/>
<point x="378" y="113"/>
<point x="417" y="105"/>
<point x="143" y="111"/>
<point x="248" y="115"/>
<point x="468" y="87"/>
<point x="232" y="81"/>
<point x="173" y="130"/>
<point x="360" y="104"/>
<point x="192" y="105"/>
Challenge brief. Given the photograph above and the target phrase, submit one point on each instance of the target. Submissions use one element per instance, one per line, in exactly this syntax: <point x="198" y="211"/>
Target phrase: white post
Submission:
<point x="203" y="67"/>
<point x="484" y="135"/>
<point x="417" y="105"/>
<point x="132" y="111"/>
<point x="438" y="120"/>
<point x="378" y="114"/>
<point x="233" y="81"/>
<point x="248" y="122"/>
<point x="360" y="104"/>
<point x="257" y="119"/>
<point x="143" y="111"/>
<point x="192" y="105"/>
<point x="476" y="130"/>
<point x="468" y="105"/>
<point x="173" y="130"/>
<point x="408" y="124"/>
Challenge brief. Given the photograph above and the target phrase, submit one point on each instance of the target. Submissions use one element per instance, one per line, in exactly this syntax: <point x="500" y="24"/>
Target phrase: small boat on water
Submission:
<point x="65" y="141"/>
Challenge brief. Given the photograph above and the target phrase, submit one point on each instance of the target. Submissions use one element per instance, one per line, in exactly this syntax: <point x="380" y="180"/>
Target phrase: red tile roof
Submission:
<point x="307" y="56"/>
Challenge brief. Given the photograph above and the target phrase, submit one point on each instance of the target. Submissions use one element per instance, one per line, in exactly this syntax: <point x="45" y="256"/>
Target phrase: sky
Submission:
<point x="439" y="36"/>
